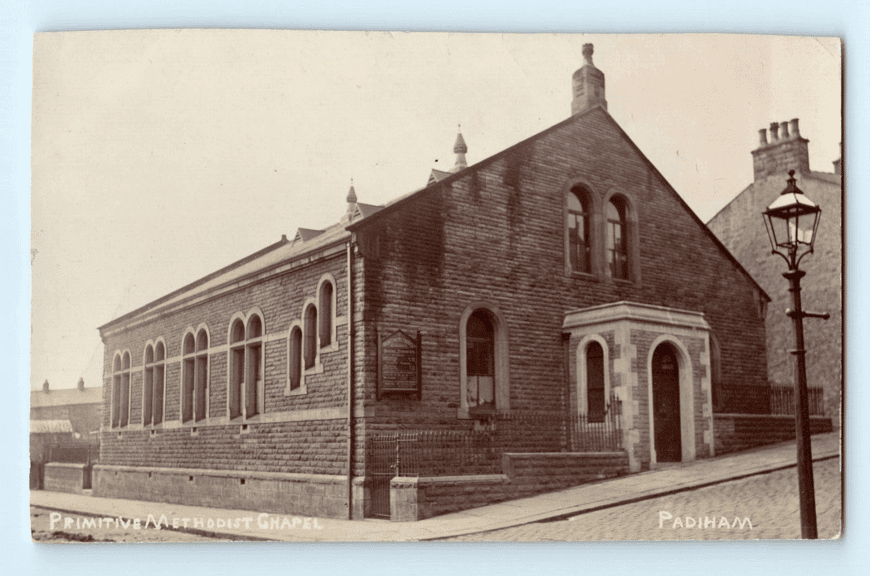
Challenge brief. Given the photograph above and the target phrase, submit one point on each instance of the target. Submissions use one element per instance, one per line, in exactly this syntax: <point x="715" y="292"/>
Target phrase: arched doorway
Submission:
<point x="666" y="404"/>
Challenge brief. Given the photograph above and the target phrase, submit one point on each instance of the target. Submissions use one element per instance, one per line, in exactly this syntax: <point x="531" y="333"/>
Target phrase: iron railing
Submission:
<point x="480" y="450"/>
<point x="782" y="400"/>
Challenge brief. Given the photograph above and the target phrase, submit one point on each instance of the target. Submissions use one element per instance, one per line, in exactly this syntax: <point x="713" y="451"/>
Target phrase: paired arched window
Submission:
<point x="617" y="245"/>
<point x="121" y="389"/>
<point x="194" y="377"/>
<point x="246" y="366"/>
<point x="154" y="385"/>
<point x="598" y="236"/>
<point x="579" y="252"/>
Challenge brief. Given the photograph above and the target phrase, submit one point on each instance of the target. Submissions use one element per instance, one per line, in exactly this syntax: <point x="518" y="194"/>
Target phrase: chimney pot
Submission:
<point x="795" y="131"/>
<point x="774" y="131"/>
<point x="784" y="126"/>
<point x="45" y="386"/>
<point x="81" y="384"/>
<point x="762" y="137"/>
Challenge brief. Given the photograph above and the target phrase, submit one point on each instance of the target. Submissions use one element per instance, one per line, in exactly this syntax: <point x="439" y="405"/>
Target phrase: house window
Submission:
<point x="121" y="390"/>
<point x="325" y="299"/>
<point x="310" y="344"/>
<point x="595" y="401"/>
<point x="153" y="388"/>
<point x="579" y="250"/>
<point x="480" y="361"/>
<point x="246" y="367"/>
<point x="617" y="246"/>
<point x="194" y="377"/>
<point x="295" y="358"/>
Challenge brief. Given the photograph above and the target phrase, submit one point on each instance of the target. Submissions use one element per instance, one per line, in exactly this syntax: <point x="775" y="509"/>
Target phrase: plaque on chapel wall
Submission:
<point x="399" y="368"/>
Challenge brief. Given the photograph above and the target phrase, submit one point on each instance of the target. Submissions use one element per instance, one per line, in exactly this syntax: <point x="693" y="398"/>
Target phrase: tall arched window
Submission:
<point x="295" y="358"/>
<point x="246" y="367"/>
<point x="480" y="361"/>
<point x="325" y="303"/>
<point x="617" y="245"/>
<point x="117" y="372"/>
<point x="595" y="400"/>
<point x="152" y="393"/>
<point x="579" y="249"/>
<point x="310" y="351"/>
<point x="121" y="390"/>
<point x="194" y="377"/>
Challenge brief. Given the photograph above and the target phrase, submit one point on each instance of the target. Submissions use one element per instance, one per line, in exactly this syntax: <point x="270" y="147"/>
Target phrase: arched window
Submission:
<point x="480" y="361"/>
<point x="579" y="249"/>
<point x="326" y="309"/>
<point x="595" y="400"/>
<point x="246" y="367"/>
<point x="121" y="390"/>
<point x="295" y="356"/>
<point x="194" y="377"/>
<point x="153" y="388"/>
<point x="617" y="244"/>
<point x="310" y="351"/>
<point x="116" y="390"/>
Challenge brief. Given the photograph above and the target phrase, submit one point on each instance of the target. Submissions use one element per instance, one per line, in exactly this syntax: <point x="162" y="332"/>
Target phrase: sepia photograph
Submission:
<point x="323" y="286"/>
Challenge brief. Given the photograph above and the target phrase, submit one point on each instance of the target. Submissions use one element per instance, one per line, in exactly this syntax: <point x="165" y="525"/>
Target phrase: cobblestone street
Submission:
<point x="769" y="501"/>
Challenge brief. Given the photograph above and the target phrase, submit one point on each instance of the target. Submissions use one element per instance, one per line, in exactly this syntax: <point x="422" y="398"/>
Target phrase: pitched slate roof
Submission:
<point x="65" y="397"/>
<point x="50" y="427"/>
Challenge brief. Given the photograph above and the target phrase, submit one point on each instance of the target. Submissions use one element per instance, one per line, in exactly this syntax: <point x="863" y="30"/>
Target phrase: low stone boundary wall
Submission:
<point x="66" y="477"/>
<point x="734" y="432"/>
<point x="523" y="475"/>
<point x="318" y="495"/>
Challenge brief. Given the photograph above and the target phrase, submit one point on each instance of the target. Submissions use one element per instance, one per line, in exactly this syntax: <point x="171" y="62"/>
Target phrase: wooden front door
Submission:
<point x="666" y="404"/>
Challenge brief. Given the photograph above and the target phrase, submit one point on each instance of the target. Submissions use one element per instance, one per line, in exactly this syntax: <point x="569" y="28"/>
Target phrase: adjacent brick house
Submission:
<point x="740" y="228"/>
<point x="541" y="282"/>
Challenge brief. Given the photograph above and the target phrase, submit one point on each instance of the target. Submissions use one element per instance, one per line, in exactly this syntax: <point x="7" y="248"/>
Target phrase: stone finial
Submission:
<point x="81" y="384"/>
<point x="795" y="131"/>
<point x="459" y="148"/>
<point x="588" y="49"/>
<point x="784" y="127"/>
<point x="762" y="137"/>
<point x="351" y="198"/>
<point x="45" y="386"/>
<point x="774" y="131"/>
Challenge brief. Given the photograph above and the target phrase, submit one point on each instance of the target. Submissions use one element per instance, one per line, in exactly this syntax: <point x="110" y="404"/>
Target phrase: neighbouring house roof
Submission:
<point x="65" y="397"/>
<point x="50" y="427"/>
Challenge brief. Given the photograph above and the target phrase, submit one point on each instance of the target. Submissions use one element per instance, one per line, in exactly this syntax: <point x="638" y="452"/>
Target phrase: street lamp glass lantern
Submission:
<point x="792" y="220"/>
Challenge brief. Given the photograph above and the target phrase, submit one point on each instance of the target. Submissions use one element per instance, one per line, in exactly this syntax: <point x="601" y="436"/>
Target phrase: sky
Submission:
<point x="161" y="156"/>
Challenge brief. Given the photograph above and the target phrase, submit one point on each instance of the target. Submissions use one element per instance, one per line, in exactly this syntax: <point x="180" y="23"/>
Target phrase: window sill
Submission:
<point x="316" y="369"/>
<point x="330" y="348"/>
<point x="300" y="391"/>
<point x="588" y="276"/>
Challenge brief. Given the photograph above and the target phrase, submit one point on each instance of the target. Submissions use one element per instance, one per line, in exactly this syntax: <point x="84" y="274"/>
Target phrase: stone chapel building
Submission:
<point x="547" y="284"/>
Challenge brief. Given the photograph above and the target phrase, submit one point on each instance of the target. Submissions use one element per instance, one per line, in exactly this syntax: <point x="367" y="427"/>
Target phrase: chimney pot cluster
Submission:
<point x="779" y="131"/>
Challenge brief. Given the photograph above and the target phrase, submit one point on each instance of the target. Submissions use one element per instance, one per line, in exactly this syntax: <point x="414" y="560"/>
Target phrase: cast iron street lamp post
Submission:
<point x="792" y="220"/>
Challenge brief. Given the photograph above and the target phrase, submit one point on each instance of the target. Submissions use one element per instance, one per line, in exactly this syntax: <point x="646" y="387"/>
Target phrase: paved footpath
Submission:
<point x="580" y="500"/>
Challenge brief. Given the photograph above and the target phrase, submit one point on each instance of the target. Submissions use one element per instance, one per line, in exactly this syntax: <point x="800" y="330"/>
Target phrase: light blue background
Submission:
<point x="19" y="20"/>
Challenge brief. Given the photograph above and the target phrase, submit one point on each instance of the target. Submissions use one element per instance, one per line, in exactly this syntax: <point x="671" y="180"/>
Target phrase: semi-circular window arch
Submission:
<point x="593" y="377"/>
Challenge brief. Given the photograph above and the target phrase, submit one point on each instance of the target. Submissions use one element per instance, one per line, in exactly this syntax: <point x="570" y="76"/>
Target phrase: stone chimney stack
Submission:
<point x="81" y="384"/>
<point x="780" y="150"/>
<point x="45" y="386"/>
<point x="588" y="84"/>
<point x="838" y="163"/>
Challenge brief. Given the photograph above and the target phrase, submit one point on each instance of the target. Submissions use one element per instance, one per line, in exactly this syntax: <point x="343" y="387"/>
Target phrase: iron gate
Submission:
<point x="387" y="458"/>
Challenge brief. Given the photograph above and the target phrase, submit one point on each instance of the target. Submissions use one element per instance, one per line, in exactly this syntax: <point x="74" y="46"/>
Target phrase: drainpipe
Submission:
<point x="350" y="334"/>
